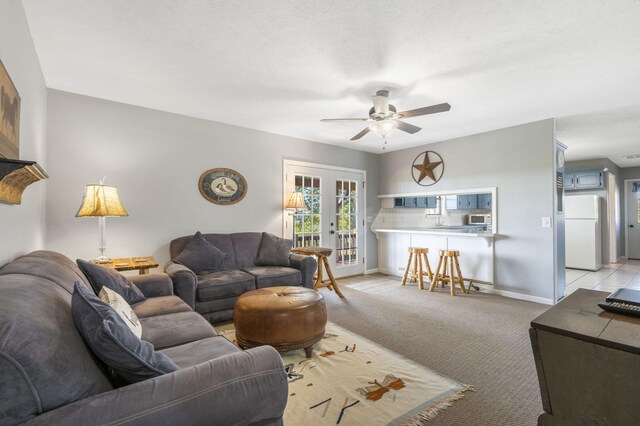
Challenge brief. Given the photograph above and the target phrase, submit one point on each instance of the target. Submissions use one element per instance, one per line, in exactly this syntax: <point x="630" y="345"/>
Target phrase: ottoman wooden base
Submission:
<point x="287" y="318"/>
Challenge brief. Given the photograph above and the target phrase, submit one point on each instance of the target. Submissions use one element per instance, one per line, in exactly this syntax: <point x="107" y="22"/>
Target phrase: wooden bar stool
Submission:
<point x="448" y="258"/>
<point x="421" y="266"/>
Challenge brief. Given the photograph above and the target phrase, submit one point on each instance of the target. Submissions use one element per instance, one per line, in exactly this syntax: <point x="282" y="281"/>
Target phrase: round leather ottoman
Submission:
<point x="286" y="318"/>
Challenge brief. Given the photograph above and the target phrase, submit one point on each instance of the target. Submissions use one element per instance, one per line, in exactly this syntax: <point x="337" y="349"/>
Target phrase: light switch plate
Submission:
<point x="546" y="222"/>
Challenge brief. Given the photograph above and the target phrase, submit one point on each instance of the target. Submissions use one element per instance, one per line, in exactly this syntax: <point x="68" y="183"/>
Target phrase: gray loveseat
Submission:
<point x="48" y="376"/>
<point x="213" y="294"/>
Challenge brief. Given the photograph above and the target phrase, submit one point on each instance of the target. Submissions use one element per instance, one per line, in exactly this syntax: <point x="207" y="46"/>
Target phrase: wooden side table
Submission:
<point x="322" y="254"/>
<point x="142" y="264"/>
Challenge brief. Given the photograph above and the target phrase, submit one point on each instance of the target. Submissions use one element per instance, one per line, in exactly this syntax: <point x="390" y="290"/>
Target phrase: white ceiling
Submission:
<point x="281" y="66"/>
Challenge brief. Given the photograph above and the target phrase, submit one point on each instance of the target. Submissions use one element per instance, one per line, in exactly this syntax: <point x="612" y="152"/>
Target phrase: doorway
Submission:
<point x="613" y="216"/>
<point x="632" y="213"/>
<point x="334" y="213"/>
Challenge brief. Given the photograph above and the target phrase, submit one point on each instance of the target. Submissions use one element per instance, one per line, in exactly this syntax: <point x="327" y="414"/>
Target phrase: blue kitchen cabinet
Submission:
<point x="468" y="202"/>
<point x="421" y="202"/>
<point x="569" y="181"/>
<point x="589" y="179"/>
<point x="410" y="201"/>
<point x="484" y="201"/>
<point x="432" y="202"/>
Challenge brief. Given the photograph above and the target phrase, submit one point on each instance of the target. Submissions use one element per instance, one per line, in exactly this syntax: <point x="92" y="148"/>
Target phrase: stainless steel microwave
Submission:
<point x="479" y="219"/>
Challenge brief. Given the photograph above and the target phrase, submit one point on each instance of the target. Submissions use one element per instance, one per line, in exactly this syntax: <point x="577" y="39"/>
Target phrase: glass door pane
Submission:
<point x="347" y="223"/>
<point x="307" y="223"/>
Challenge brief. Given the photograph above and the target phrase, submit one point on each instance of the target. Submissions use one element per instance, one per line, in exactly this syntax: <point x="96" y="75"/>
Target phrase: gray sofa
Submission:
<point x="48" y="376"/>
<point x="214" y="294"/>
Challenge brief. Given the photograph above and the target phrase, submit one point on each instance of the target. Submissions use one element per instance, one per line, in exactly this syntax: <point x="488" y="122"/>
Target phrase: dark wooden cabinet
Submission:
<point x="588" y="363"/>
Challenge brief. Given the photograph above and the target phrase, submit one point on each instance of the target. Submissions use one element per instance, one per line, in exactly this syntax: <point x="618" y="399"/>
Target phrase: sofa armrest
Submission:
<point x="185" y="282"/>
<point x="248" y="387"/>
<point x="153" y="285"/>
<point x="306" y="265"/>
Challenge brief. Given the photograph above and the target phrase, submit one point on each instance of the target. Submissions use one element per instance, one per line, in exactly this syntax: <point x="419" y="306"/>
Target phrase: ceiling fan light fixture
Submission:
<point x="383" y="128"/>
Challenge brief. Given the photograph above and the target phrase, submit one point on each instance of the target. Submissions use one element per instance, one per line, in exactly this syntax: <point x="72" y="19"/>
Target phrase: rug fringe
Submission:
<point x="430" y="413"/>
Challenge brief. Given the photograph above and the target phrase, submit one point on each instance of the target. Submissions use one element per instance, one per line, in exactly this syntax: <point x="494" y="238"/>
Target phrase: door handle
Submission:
<point x="332" y="232"/>
<point x="630" y="226"/>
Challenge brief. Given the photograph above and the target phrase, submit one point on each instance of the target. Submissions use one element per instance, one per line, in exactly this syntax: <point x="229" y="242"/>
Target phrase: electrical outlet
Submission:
<point x="369" y="219"/>
<point x="546" y="222"/>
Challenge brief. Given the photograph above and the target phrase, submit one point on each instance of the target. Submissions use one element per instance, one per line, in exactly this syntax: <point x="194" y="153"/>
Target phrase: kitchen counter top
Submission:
<point x="445" y="231"/>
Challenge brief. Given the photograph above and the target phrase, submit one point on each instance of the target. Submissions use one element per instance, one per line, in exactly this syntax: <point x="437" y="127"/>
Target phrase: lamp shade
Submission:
<point x="296" y="201"/>
<point x="100" y="201"/>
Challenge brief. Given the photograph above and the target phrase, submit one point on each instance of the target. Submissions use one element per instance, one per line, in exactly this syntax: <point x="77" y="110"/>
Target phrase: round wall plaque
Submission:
<point x="427" y="169"/>
<point x="222" y="186"/>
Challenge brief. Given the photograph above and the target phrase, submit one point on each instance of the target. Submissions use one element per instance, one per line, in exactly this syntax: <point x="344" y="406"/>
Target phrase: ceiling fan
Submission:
<point x="385" y="117"/>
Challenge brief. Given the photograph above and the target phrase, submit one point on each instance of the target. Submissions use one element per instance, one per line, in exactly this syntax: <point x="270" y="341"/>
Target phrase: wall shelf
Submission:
<point x="15" y="176"/>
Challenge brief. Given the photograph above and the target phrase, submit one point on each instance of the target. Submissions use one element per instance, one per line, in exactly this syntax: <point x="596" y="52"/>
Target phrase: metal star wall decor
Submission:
<point x="427" y="164"/>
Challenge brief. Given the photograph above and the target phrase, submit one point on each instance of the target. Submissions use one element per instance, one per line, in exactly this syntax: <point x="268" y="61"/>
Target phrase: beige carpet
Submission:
<point x="353" y="381"/>
<point x="479" y="339"/>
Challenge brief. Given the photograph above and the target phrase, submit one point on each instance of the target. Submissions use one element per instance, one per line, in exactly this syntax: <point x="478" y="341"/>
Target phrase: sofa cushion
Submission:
<point x="49" y="265"/>
<point x="273" y="251"/>
<point x="218" y="285"/>
<point x="200" y="351"/>
<point x="164" y="331"/>
<point x="163" y="305"/>
<point x="201" y="256"/>
<point x="106" y="276"/>
<point x="113" y="342"/>
<point x="122" y="308"/>
<point x="245" y="246"/>
<point x="44" y="363"/>
<point x="221" y="241"/>
<point x="272" y="276"/>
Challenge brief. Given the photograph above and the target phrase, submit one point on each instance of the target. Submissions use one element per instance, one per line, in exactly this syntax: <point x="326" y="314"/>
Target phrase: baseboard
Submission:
<point x="389" y="272"/>
<point x="622" y="259"/>
<point x="526" y="297"/>
<point x="371" y="271"/>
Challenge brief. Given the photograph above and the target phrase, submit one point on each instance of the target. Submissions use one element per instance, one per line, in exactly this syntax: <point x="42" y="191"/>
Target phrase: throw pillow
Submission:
<point x="274" y="251"/>
<point x="113" y="342"/>
<point x="201" y="256"/>
<point x="100" y="276"/>
<point x="122" y="308"/>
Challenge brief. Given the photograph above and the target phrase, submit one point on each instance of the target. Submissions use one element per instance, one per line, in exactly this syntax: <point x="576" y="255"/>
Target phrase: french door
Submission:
<point x="334" y="213"/>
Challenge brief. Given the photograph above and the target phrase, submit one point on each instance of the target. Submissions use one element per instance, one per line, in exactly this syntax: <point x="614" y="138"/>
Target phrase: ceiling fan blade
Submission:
<point x="345" y="119"/>
<point x="425" y="110"/>
<point x="361" y="134"/>
<point x="406" y="127"/>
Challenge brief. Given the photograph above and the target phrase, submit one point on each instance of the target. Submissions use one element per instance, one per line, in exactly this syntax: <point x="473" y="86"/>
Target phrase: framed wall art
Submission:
<point x="427" y="169"/>
<point x="9" y="117"/>
<point x="222" y="186"/>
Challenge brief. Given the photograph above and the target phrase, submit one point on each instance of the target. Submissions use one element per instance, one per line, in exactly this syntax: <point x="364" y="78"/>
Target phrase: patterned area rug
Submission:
<point x="353" y="381"/>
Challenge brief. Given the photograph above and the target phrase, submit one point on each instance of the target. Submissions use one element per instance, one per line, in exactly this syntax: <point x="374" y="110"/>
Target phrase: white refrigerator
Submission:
<point x="582" y="232"/>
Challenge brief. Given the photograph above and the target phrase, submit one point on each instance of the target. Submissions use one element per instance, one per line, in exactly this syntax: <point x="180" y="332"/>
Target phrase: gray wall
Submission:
<point x="22" y="227"/>
<point x="155" y="159"/>
<point x="519" y="161"/>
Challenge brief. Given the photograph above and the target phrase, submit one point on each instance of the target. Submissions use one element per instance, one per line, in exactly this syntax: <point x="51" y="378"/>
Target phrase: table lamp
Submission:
<point x="101" y="201"/>
<point x="296" y="201"/>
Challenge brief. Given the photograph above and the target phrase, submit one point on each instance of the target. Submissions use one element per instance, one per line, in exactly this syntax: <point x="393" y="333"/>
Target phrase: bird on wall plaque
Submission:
<point x="427" y="168"/>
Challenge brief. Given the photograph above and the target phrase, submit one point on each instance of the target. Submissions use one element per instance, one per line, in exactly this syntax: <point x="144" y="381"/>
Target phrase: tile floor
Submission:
<point x="609" y="278"/>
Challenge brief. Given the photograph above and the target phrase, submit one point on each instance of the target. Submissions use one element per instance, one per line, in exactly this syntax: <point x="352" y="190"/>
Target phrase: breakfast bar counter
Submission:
<point x="476" y="249"/>
<point x="444" y="231"/>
